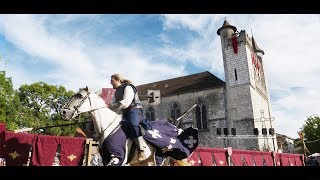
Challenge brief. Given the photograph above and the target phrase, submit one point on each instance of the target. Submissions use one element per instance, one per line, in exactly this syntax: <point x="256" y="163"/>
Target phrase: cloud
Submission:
<point x="198" y="23"/>
<point x="290" y="43"/>
<point x="35" y="40"/>
<point x="77" y="63"/>
<point x="292" y="110"/>
<point x="202" y="51"/>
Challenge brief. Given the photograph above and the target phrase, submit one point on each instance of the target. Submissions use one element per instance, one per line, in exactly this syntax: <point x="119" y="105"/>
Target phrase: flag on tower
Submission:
<point x="235" y="45"/>
<point x="253" y="57"/>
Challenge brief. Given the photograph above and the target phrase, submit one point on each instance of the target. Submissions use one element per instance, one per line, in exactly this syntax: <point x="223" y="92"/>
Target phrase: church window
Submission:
<point x="201" y="115"/>
<point x="219" y="132"/>
<point x="150" y="114"/>
<point x="235" y="74"/>
<point x="226" y="131"/>
<point x="175" y="113"/>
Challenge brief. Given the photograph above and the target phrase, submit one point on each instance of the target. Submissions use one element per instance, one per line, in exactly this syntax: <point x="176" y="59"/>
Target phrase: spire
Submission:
<point x="255" y="47"/>
<point x="226" y="25"/>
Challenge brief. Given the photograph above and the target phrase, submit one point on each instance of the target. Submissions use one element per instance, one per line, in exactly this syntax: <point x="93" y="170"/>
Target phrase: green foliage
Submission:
<point x="41" y="103"/>
<point x="3" y="93"/>
<point x="9" y="102"/>
<point x="311" y="130"/>
<point x="35" y="105"/>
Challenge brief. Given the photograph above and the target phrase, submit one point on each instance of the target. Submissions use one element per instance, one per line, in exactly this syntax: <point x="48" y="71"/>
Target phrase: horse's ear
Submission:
<point x="87" y="89"/>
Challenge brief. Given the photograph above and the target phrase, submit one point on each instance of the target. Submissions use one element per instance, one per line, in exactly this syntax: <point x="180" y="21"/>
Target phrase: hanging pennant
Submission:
<point x="258" y="65"/>
<point x="253" y="59"/>
<point x="235" y="45"/>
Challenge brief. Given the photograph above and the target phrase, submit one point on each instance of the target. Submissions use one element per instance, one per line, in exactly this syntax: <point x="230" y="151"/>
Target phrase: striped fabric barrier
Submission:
<point x="233" y="157"/>
<point x="44" y="148"/>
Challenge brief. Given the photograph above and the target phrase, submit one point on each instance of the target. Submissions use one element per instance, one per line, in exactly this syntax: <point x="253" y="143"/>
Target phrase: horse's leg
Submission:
<point x="128" y="154"/>
<point x="115" y="146"/>
<point x="160" y="157"/>
<point x="150" y="161"/>
<point x="166" y="161"/>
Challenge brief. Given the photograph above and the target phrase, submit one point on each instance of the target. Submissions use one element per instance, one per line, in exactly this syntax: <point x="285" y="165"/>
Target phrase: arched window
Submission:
<point x="201" y="115"/>
<point x="150" y="114"/>
<point x="175" y="113"/>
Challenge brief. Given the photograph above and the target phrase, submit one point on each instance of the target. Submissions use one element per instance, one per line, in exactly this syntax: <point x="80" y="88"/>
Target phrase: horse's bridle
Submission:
<point x="77" y="112"/>
<point x="76" y="108"/>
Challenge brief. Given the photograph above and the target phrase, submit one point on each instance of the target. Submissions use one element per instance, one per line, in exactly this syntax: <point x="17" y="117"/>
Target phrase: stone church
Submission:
<point x="232" y="113"/>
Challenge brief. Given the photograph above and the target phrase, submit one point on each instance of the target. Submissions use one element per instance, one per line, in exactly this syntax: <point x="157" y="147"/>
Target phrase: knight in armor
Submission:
<point x="126" y="102"/>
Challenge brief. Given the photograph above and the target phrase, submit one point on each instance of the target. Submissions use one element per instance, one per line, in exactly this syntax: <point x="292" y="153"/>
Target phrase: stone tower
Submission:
<point x="247" y="98"/>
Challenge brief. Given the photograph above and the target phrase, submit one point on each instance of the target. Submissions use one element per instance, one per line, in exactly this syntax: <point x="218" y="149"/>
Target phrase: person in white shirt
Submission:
<point x="126" y="101"/>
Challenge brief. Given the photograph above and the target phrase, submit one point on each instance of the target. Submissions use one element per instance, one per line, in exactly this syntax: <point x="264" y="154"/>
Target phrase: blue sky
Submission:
<point x="79" y="50"/>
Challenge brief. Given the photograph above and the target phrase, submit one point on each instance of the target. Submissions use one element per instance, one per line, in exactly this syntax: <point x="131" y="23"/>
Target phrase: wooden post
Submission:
<point x="229" y="153"/>
<point x="89" y="150"/>
<point x="274" y="154"/>
<point x="305" y="149"/>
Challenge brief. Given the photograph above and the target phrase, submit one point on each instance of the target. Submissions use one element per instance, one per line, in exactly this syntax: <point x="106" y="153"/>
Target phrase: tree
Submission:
<point x="35" y="105"/>
<point x="311" y="130"/>
<point x="9" y="102"/>
<point x="3" y="96"/>
<point x="41" y="103"/>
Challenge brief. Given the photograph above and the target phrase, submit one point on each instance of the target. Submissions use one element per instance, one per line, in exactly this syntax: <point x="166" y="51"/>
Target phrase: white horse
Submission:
<point x="106" y="122"/>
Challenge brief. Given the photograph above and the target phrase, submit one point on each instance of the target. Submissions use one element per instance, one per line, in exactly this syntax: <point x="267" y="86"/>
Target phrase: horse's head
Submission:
<point x="79" y="103"/>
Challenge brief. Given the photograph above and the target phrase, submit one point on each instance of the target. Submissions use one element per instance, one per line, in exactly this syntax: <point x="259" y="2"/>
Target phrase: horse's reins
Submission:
<point x="92" y="110"/>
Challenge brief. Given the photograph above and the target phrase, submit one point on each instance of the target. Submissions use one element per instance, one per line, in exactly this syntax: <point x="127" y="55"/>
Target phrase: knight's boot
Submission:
<point x="140" y="142"/>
